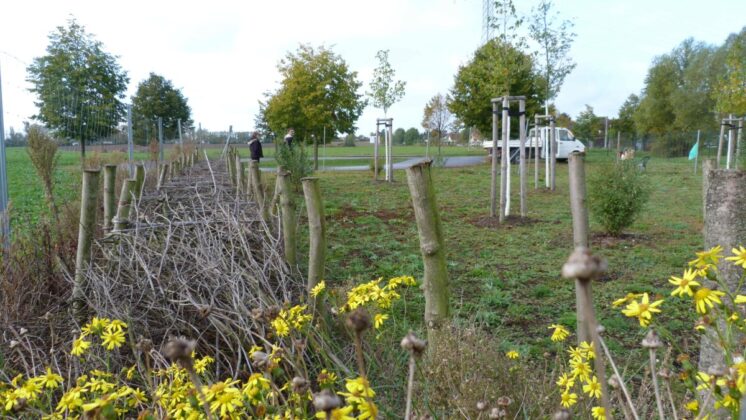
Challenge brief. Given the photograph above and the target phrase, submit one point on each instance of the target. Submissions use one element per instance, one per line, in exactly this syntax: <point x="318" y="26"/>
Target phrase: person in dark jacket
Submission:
<point x="289" y="137"/>
<point x="255" y="147"/>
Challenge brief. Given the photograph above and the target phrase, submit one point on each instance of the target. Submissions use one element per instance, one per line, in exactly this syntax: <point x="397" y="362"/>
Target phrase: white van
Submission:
<point x="566" y="144"/>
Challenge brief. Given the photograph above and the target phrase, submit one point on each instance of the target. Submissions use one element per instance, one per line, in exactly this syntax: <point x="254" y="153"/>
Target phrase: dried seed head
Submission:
<point x="271" y="313"/>
<point x="651" y="340"/>
<point x="14" y="343"/>
<point x="359" y="320"/>
<point x="260" y="359"/>
<point x="664" y="373"/>
<point x="562" y="414"/>
<point x="614" y="382"/>
<point x="203" y="311"/>
<point x="257" y="313"/>
<point x="411" y="343"/>
<point x="481" y="405"/>
<point x="23" y="331"/>
<point x="179" y="350"/>
<point x="299" y="385"/>
<point x="144" y="345"/>
<point x="496" y="413"/>
<point x="299" y="344"/>
<point x="326" y="401"/>
<point x="583" y="265"/>
<point x="504" y="401"/>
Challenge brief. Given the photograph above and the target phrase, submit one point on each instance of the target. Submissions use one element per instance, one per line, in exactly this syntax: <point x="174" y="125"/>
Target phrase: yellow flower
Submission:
<point x="592" y="388"/>
<point x="692" y="406"/>
<point x="560" y="333"/>
<point x="112" y="338"/>
<point x="367" y="410"/>
<point x="358" y="390"/>
<point x="200" y="366"/>
<point x="740" y="299"/>
<point x="80" y="345"/>
<point x="628" y="298"/>
<point x="643" y="310"/>
<point x="580" y="369"/>
<point x="116" y="324"/>
<point x="512" y="354"/>
<point x="11" y="398"/>
<point x="575" y="353"/>
<point x="326" y="378"/>
<point x="129" y="373"/>
<point x="569" y="399"/>
<point x="337" y="414"/>
<point x="739" y="258"/>
<point x="565" y="381"/>
<point x="378" y="320"/>
<point x="96" y="326"/>
<point x="684" y="284"/>
<point x="281" y="327"/>
<point x="710" y="257"/>
<point x="705" y="297"/>
<point x="71" y="400"/>
<point x="588" y="350"/>
<point x="727" y="401"/>
<point x="226" y="402"/>
<point x="31" y="390"/>
<point x="598" y="413"/>
<point x="50" y="380"/>
<point x="318" y="288"/>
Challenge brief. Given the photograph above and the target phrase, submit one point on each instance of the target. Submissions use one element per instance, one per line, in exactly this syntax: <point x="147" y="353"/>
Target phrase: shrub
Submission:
<point x="42" y="151"/>
<point x="294" y="159"/>
<point x="349" y="140"/>
<point x="617" y="194"/>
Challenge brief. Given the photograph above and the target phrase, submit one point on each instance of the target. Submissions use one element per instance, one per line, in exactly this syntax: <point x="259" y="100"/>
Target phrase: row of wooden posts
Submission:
<point x="116" y="214"/>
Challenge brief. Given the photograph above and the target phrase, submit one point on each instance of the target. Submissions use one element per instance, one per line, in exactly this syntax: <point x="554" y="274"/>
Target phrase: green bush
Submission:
<point x="617" y="194"/>
<point x="349" y="140"/>
<point x="294" y="159"/>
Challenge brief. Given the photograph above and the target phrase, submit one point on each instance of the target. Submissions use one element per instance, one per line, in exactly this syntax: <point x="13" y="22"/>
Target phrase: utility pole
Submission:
<point x="4" y="216"/>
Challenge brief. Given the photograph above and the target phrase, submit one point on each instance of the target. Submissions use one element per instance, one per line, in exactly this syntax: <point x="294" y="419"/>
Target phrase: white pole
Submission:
<point x="545" y="152"/>
<point x="130" y="146"/>
<point x="507" y="187"/>
<point x="729" y="154"/>
<point x="181" y="142"/>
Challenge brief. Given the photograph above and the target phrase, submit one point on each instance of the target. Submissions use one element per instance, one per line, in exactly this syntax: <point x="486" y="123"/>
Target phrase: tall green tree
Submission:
<point x="79" y="86"/>
<point x="554" y="38"/>
<point x="156" y="98"/>
<point x="626" y="121"/>
<point x="495" y="69"/>
<point x="730" y="88"/>
<point x="384" y="90"/>
<point x="318" y="90"/>
<point x="588" y="125"/>
<point x="412" y="136"/>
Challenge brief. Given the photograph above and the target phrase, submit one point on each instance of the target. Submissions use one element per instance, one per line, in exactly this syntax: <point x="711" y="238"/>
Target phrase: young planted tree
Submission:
<point x="79" y="86"/>
<point x="437" y="118"/>
<point x="554" y="38"/>
<point x="384" y="90"/>
<point x="42" y="151"/>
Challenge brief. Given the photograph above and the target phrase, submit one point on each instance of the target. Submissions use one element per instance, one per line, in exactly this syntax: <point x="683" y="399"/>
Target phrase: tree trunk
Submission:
<point x="316" y="232"/>
<point x="725" y="225"/>
<point x="435" y="283"/>
<point x="287" y="217"/>
<point x="580" y="231"/>
<point x="257" y="189"/>
<point x="493" y="184"/>
<point x="110" y="199"/>
<point x="139" y="180"/>
<point x="88" y="207"/>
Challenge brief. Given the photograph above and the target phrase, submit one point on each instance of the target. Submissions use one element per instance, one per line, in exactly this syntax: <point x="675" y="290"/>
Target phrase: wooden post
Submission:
<point x="125" y="202"/>
<point x="435" y="282"/>
<point x="493" y="184"/>
<point x="522" y="155"/>
<point x="316" y="231"/>
<point x="618" y="145"/>
<point x="231" y="166"/>
<point x="88" y="207"/>
<point x="731" y="153"/>
<point x="238" y="175"/>
<point x="287" y="216"/>
<point x="163" y="175"/>
<point x="553" y="149"/>
<point x="244" y="179"/>
<point x="505" y="154"/>
<point x="580" y="231"/>
<point x="720" y="143"/>
<point x="708" y="165"/>
<point x="739" y="138"/>
<point x="375" y="154"/>
<point x="725" y="225"/>
<point x="139" y="180"/>
<point x="535" y="139"/>
<point x="110" y="199"/>
<point x="256" y="187"/>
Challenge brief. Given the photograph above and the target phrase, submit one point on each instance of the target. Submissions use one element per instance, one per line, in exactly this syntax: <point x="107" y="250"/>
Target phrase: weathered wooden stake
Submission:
<point x="88" y="207"/>
<point x="287" y="216"/>
<point x="522" y="155"/>
<point x="316" y="231"/>
<point x="493" y="184"/>
<point x="125" y="202"/>
<point x="244" y="179"/>
<point x="505" y="154"/>
<point x="375" y="154"/>
<point x="618" y="145"/>
<point x="580" y="231"/>
<point x="139" y="180"/>
<point x="708" y="165"/>
<point x="163" y="175"/>
<point x="257" y="189"/>
<point x="110" y="198"/>
<point x="238" y="175"/>
<point x="553" y="149"/>
<point x="720" y="143"/>
<point x="435" y="283"/>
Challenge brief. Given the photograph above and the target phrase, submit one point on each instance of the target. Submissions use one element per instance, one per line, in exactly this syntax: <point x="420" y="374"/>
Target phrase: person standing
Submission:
<point x="289" y="137"/>
<point x="255" y="147"/>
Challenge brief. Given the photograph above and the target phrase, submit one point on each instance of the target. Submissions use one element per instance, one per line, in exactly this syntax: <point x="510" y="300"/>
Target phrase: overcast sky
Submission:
<point x="223" y="54"/>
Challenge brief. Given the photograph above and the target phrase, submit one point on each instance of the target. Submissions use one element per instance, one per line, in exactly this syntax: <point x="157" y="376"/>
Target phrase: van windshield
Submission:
<point x="565" y="135"/>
